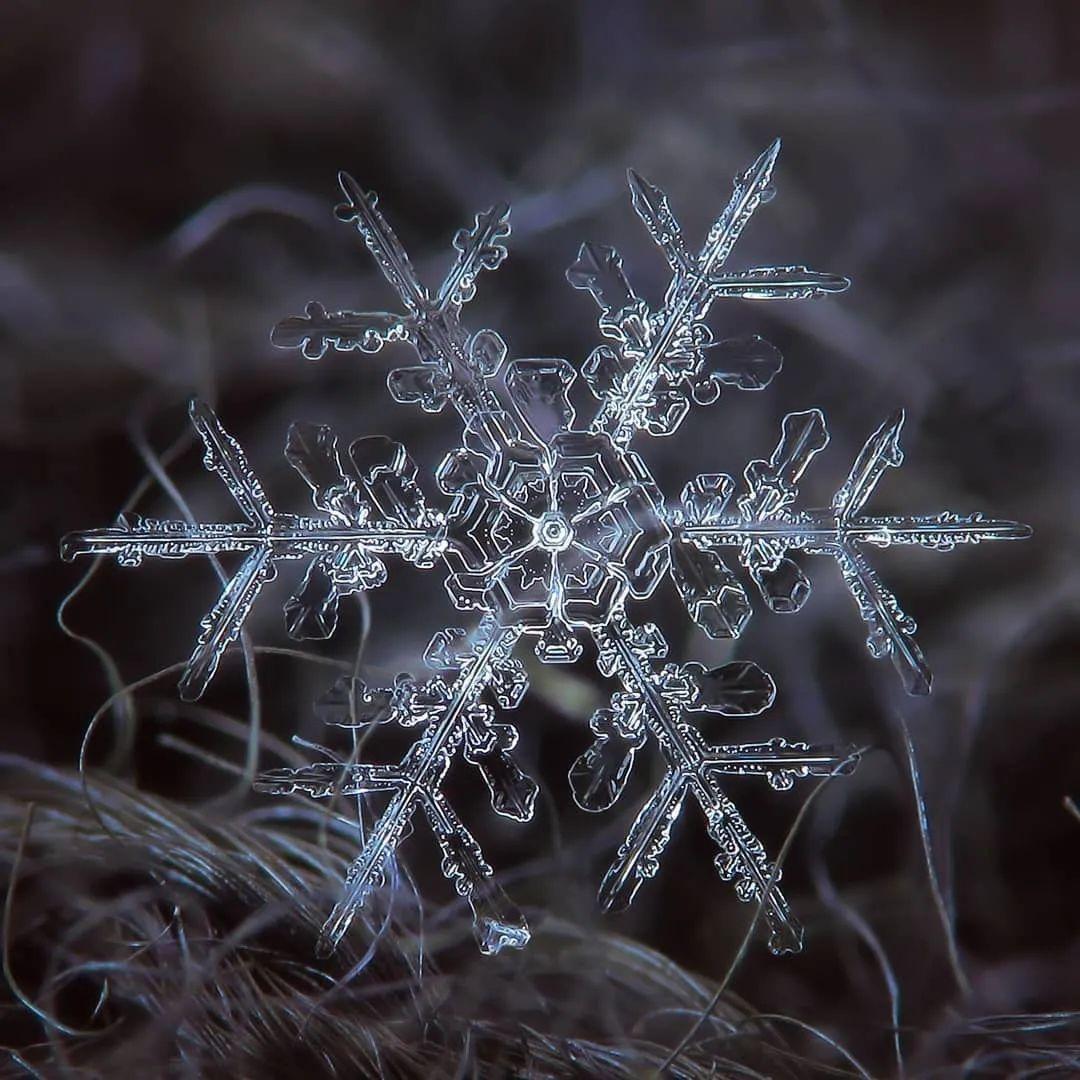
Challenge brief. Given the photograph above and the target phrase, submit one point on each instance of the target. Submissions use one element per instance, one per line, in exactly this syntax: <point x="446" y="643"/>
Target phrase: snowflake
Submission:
<point x="551" y="528"/>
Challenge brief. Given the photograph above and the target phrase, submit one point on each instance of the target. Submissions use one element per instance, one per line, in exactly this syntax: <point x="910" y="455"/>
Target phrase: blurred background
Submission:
<point x="167" y="183"/>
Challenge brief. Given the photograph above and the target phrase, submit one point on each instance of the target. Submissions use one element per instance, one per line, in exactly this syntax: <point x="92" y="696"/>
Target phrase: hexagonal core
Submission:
<point x="553" y="532"/>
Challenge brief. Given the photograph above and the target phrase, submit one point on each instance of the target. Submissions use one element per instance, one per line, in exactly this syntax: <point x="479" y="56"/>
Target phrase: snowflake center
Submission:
<point x="553" y="532"/>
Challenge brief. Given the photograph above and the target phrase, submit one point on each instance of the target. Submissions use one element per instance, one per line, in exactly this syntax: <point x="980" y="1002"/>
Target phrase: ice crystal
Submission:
<point x="550" y="529"/>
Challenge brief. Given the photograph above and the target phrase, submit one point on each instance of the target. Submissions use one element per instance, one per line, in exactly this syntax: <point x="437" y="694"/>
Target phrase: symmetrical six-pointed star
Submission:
<point x="550" y="530"/>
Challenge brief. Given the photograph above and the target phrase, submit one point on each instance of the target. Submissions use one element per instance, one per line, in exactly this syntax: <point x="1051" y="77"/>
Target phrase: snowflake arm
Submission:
<point x="452" y="716"/>
<point x="454" y="365"/>
<point x="765" y="530"/>
<point x="662" y="360"/>
<point x="372" y="507"/>
<point x="656" y="703"/>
